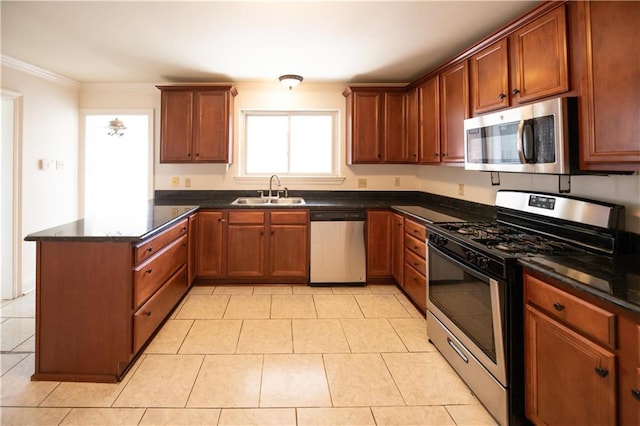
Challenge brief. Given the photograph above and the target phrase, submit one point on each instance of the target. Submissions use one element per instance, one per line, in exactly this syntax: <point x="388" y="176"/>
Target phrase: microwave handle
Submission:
<point x="520" y="142"/>
<point x="527" y="140"/>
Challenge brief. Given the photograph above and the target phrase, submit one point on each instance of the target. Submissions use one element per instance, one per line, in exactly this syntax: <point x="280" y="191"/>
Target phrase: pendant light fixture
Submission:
<point x="290" y="80"/>
<point x="116" y="127"/>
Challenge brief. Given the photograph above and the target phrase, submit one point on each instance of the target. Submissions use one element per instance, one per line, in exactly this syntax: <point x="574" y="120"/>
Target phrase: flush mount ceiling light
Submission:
<point x="116" y="127"/>
<point x="290" y="80"/>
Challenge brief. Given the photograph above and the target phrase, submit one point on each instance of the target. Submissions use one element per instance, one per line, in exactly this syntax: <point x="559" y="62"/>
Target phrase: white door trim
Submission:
<point x="16" y="237"/>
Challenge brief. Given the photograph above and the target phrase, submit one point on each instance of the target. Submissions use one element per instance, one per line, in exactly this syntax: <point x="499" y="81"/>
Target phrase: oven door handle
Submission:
<point x="457" y="350"/>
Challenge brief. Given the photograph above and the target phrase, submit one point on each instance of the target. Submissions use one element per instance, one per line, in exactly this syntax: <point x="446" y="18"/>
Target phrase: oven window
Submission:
<point x="463" y="299"/>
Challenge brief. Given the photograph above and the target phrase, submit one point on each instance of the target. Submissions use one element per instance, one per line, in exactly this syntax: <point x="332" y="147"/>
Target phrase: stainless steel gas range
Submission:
<point x="475" y="297"/>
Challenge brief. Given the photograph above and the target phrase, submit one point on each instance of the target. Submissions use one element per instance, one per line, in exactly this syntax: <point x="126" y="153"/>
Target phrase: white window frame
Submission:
<point x="335" y="177"/>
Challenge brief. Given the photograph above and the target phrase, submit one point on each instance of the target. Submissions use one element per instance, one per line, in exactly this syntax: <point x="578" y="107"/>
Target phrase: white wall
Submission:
<point x="435" y="179"/>
<point x="50" y="131"/>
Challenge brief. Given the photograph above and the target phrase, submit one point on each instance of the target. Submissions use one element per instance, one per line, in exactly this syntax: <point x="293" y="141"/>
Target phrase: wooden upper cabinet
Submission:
<point x="540" y="64"/>
<point x="454" y="109"/>
<point x="412" y="124"/>
<point x="610" y="66"/>
<point x="490" y="78"/>
<point x="196" y="124"/>
<point x="429" y="121"/>
<point x="364" y="141"/>
<point x="395" y="147"/>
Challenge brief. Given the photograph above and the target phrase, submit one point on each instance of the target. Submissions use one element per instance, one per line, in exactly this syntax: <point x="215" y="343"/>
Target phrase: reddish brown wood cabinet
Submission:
<point x="489" y="73"/>
<point x="607" y="67"/>
<point x="397" y="251"/>
<point x="379" y="244"/>
<point x="210" y="244"/>
<point x="415" y="264"/>
<point x="429" y="121"/>
<point x="454" y="109"/>
<point x="196" y="124"/>
<point x="98" y="302"/>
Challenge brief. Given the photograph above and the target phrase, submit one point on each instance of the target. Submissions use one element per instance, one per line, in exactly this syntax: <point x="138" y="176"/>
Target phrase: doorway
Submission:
<point x="118" y="167"/>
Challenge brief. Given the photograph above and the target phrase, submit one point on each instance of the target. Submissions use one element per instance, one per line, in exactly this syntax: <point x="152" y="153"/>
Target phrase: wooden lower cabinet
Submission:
<point x="570" y="378"/>
<point x="379" y="244"/>
<point x="98" y="302"/>
<point x="397" y="252"/>
<point x="415" y="262"/>
<point x="254" y="245"/>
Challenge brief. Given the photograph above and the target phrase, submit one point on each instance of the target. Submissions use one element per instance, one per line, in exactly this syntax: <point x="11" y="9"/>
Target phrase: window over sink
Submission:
<point x="292" y="144"/>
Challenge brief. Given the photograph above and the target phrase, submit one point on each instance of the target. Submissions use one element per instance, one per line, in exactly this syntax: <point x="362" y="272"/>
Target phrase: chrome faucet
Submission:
<point x="271" y="183"/>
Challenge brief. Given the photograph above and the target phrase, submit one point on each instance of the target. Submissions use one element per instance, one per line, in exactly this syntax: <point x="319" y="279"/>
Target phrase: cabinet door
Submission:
<point x="454" y="109"/>
<point x="289" y="251"/>
<point x="612" y="101"/>
<point x="176" y="126"/>
<point x="568" y="378"/>
<point x="412" y="124"/>
<point x="489" y="71"/>
<point x="540" y="50"/>
<point x="245" y="251"/>
<point x="211" y="126"/>
<point x="397" y="251"/>
<point x="379" y="245"/>
<point x="395" y="147"/>
<point x="429" y="121"/>
<point x="192" y="259"/>
<point x="366" y="141"/>
<point x="210" y="244"/>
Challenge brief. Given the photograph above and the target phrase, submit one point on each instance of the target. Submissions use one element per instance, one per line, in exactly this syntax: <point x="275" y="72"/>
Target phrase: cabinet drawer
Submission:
<point x="240" y="217"/>
<point x="300" y="217"/>
<point x="155" y="244"/>
<point x="415" y="229"/>
<point x="575" y="312"/>
<point x="152" y="313"/>
<point x="417" y="246"/>
<point x="416" y="285"/>
<point x="415" y="261"/>
<point x="150" y="275"/>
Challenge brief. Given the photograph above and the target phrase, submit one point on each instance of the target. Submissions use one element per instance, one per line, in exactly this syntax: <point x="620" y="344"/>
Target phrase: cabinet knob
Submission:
<point x="149" y="250"/>
<point x="416" y="264"/>
<point x="602" y="372"/>
<point x="558" y="306"/>
<point x="189" y="154"/>
<point x="636" y="393"/>
<point x="148" y="271"/>
<point x="435" y="154"/>
<point x="502" y="96"/>
<point x="147" y="313"/>
<point x="443" y="154"/>
<point x="515" y="91"/>
<point x="184" y="228"/>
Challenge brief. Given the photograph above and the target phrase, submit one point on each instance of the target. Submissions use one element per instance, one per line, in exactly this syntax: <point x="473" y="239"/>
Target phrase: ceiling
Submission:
<point x="242" y="41"/>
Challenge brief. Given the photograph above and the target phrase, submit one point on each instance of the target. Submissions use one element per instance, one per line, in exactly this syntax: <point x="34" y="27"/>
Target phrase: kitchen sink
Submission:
<point x="263" y="201"/>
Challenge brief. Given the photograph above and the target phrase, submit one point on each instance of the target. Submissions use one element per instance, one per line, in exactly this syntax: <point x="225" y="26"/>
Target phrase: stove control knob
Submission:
<point x="482" y="262"/>
<point x="471" y="256"/>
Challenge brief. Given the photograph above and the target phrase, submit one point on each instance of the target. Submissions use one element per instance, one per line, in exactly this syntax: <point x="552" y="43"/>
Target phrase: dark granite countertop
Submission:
<point x="613" y="279"/>
<point x="133" y="225"/>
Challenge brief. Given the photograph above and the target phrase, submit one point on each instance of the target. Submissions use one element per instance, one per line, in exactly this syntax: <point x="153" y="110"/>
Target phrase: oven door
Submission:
<point x="471" y="306"/>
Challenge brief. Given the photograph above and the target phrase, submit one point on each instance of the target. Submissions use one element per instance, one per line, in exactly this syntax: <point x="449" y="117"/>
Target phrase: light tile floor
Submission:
<point x="255" y="355"/>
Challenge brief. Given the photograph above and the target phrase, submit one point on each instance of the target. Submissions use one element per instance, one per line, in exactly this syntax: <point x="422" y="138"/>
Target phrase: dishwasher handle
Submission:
<point x="337" y="215"/>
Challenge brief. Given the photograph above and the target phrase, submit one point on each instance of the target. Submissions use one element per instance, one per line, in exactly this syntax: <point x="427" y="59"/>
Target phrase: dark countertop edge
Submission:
<point x="635" y="309"/>
<point x="121" y="239"/>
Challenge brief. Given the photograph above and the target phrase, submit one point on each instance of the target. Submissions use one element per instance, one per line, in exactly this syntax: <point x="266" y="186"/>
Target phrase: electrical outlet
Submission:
<point x="175" y="181"/>
<point x="461" y="189"/>
<point x="362" y="183"/>
<point x="396" y="181"/>
<point x="59" y="164"/>
<point x="187" y="182"/>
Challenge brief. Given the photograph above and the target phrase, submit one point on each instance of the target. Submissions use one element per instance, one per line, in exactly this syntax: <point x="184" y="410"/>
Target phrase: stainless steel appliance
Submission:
<point x="531" y="139"/>
<point x="475" y="298"/>
<point x="337" y="248"/>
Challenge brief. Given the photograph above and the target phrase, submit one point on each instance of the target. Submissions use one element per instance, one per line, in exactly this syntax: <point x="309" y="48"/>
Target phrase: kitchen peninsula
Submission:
<point x="103" y="286"/>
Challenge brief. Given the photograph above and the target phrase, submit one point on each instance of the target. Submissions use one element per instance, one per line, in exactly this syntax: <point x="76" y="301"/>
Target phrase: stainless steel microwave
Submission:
<point x="529" y="139"/>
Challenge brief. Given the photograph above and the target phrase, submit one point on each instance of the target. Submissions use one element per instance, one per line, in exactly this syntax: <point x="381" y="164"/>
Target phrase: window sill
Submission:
<point x="293" y="180"/>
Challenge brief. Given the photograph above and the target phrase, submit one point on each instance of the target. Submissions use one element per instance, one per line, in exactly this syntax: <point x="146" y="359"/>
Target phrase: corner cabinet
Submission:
<point x="196" y="124"/>
<point x="99" y="302"/>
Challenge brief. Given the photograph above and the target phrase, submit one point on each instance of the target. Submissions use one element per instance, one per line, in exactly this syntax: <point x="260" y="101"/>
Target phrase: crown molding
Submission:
<point x="38" y="72"/>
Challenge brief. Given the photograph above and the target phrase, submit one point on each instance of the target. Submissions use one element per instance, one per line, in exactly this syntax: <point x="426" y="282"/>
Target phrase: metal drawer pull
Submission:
<point x="558" y="306"/>
<point x="147" y="313"/>
<point x="148" y="271"/>
<point x="602" y="372"/>
<point x="150" y="249"/>
<point x="458" y="351"/>
<point x="636" y="393"/>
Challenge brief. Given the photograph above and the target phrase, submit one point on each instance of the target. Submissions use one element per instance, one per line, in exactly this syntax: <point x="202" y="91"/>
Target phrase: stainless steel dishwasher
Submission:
<point x="337" y="248"/>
